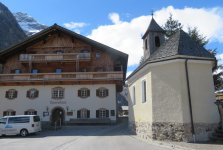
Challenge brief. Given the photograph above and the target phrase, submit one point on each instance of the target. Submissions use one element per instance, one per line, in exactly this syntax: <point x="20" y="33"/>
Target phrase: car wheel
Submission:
<point x="24" y="132"/>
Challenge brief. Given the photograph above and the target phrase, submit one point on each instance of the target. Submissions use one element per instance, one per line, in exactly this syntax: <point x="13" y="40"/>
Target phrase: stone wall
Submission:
<point x="172" y="131"/>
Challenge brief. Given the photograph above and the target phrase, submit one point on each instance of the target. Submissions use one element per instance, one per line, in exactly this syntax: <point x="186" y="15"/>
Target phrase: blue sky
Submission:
<point x="105" y="18"/>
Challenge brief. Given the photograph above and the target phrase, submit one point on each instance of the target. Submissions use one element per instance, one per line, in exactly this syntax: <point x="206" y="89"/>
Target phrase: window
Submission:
<point x="11" y="94"/>
<point x="102" y="113"/>
<point x="13" y="120"/>
<point x="143" y="91"/>
<point x="99" y="69"/>
<point x="59" y="52"/>
<point x="102" y="92"/>
<point x="36" y="118"/>
<point x="112" y="112"/>
<point x="58" y="70"/>
<point x="83" y="114"/>
<point x="17" y="71"/>
<point x="34" y="71"/>
<point x="146" y="44"/>
<point x="83" y="93"/>
<point x="30" y="112"/>
<point x="133" y="96"/>
<point x="83" y="70"/>
<point x="58" y="93"/>
<point x="98" y="55"/>
<point x="32" y="93"/>
<point x="157" y="41"/>
<point x="3" y="120"/>
<point x="85" y="51"/>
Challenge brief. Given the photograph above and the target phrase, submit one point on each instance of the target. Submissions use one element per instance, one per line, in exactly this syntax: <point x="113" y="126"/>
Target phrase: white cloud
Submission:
<point x="126" y="36"/>
<point x="128" y="73"/>
<point x="77" y="31"/>
<point x="73" y="25"/>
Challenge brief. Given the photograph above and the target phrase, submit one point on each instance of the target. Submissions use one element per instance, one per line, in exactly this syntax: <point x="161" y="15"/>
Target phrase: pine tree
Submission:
<point x="141" y="60"/>
<point x="171" y="26"/>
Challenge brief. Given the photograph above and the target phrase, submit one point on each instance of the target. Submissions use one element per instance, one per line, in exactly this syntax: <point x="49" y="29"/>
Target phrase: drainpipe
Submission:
<point x="188" y="90"/>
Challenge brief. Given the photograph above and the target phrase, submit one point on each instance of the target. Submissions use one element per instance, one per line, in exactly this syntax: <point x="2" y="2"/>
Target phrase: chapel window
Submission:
<point x="157" y="41"/>
<point x="144" y="91"/>
<point x="133" y="96"/>
<point x="146" y="44"/>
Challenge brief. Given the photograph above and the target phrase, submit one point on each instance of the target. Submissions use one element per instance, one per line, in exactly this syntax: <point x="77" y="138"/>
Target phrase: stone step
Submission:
<point x="218" y="134"/>
<point x="218" y="131"/>
<point x="216" y="138"/>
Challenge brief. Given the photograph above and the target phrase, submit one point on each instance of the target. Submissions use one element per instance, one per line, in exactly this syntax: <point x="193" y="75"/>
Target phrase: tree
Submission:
<point x="171" y="26"/>
<point x="141" y="60"/>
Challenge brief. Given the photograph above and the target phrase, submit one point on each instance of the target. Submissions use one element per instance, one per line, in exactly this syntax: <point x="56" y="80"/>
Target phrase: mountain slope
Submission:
<point x="28" y="23"/>
<point x="10" y="31"/>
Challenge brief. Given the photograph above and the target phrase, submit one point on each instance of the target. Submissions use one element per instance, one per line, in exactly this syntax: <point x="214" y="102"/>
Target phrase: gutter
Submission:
<point x="189" y="98"/>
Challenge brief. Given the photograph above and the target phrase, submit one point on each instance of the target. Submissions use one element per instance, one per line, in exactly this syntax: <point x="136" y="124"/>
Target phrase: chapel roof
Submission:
<point x="178" y="44"/>
<point x="153" y="27"/>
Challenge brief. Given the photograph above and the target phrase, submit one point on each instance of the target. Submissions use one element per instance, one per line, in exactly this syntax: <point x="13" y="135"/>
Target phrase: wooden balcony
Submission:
<point x="65" y="76"/>
<point x="64" y="57"/>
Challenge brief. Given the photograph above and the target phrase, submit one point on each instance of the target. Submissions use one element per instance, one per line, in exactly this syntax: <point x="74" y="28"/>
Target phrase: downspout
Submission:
<point x="189" y="98"/>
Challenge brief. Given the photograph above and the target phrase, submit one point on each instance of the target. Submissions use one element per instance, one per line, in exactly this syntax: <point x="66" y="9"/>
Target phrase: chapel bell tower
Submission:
<point x="152" y="39"/>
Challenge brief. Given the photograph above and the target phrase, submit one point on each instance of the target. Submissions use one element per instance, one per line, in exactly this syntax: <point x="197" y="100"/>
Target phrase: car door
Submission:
<point x="3" y="122"/>
<point x="11" y="126"/>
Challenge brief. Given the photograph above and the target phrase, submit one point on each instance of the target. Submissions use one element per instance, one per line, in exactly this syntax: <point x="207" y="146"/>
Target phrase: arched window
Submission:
<point x="157" y="41"/>
<point x="146" y="44"/>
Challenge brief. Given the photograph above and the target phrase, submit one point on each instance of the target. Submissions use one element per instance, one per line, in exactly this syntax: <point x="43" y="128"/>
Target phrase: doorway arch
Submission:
<point x="56" y="113"/>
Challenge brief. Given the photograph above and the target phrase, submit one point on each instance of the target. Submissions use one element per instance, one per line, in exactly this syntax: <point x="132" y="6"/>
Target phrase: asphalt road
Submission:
<point x="78" y="138"/>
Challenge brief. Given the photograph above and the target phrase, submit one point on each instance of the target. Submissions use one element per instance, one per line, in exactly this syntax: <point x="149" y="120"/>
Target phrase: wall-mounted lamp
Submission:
<point x="47" y="108"/>
<point x="67" y="108"/>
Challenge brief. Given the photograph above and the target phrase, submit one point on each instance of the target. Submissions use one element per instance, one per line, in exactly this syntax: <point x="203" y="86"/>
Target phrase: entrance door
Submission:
<point x="57" y="114"/>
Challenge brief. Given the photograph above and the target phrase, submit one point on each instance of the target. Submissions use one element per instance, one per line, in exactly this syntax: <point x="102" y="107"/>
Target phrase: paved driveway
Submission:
<point x="78" y="138"/>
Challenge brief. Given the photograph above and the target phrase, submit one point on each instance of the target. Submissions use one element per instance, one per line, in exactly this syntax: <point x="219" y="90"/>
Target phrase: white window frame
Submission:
<point x="83" y="113"/>
<point x="8" y="113"/>
<point x="84" y="93"/>
<point x="11" y="94"/>
<point x="30" y="112"/>
<point x="102" y="93"/>
<point x="58" y="93"/>
<point x="144" y="97"/>
<point x="102" y="113"/>
<point x="133" y="95"/>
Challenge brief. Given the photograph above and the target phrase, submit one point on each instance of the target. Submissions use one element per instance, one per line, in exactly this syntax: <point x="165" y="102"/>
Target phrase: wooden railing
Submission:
<point x="55" y="57"/>
<point x="65" y="76"/>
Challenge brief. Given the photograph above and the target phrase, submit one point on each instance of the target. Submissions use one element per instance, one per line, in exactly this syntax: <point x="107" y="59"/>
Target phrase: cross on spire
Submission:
<point x="152" y="13"/>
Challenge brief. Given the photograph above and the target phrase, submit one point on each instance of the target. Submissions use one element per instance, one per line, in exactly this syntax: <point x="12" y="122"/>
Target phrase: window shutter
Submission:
<point x="7" y="94"/>
<point x="16" y="93"/>
<point x="26" y="113"/>
<point x="35" y="112"/>
<point x="79" y="93"/>
<point x="13" y="113"/>
<point x="38" y="70"/>
<point x="54" y="70"/>
<point x="37" y="94"/>
<point x="88" y="92"/>
<point x="97" y="113"/>
<point x="107" y="113"/>
<point x="106" y="92"/>
<point x="88" y="114"/>
<point x="78" y="114"/>
<point x="4" y="113"/>
<point x="97" y="92"/>
<point x="28" y="94"/>
<point x="12" y="71"/>
<point x="20" y="71"/>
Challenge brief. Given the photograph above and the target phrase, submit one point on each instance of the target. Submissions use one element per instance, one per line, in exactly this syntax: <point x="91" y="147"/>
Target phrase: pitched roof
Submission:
<point x="154" y="27"/>
<point x="180" y="44"/>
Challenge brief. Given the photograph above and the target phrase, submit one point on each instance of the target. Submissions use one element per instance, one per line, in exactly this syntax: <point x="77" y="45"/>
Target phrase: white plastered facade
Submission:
<point x="71" y="99"/>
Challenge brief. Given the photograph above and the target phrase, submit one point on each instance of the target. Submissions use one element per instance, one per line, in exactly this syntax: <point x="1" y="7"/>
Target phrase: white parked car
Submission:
<point x="23" y="125"/>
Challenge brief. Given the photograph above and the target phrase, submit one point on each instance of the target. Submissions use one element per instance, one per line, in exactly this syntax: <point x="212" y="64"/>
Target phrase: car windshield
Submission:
<point x="3" y="120"/>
